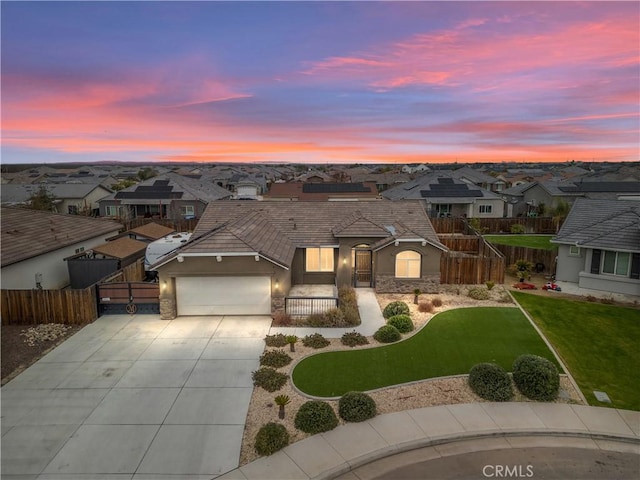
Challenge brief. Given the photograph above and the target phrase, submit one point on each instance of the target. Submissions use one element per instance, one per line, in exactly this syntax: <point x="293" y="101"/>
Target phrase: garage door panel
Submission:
<point x="223" y="295"/>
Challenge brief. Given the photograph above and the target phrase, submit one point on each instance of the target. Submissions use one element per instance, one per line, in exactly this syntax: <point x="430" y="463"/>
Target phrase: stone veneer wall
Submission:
<point x="168" y="308"/>
<point x="391" y="284"/>
<point x="277" y="305"/>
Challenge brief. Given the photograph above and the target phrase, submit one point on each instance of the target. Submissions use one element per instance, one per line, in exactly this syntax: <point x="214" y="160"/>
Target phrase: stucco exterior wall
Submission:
<point x="497" y="208"/>
<point x="55" y="274"/>
<point x="229" y="266"/>
<point x="569" y="267"/>
<point x="384" y="272"/>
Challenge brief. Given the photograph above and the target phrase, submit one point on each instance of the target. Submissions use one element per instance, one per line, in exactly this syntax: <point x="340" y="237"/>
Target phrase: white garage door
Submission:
<point x="223" y="295"/>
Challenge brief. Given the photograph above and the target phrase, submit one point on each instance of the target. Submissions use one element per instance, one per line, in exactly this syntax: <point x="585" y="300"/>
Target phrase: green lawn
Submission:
<point x="450" y="344"/>
<point x="530" y="241"/>
<point x="598" y="343"/>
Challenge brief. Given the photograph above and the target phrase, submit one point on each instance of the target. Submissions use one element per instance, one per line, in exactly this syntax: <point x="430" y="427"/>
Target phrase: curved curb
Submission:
<point x="333" y="453"/>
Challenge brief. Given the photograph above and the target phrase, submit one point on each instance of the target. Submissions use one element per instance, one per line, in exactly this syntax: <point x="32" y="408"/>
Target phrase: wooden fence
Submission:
<point x="180" y="225"/>
<point x="536" y="256"/>
<point x="459" y="268"/>
<point x="68" y="306"/>
<point x="458" y="225"/>
<point x="470" y="260"/>
<point x="28" y="307"/>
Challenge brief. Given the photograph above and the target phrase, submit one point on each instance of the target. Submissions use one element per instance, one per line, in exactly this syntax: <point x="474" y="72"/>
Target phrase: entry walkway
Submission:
<point x="370" y="315"/>
<point x="348" y="451"/>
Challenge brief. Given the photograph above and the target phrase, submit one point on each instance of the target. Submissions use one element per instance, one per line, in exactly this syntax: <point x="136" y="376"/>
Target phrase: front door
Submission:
<point x="362" y="264"/>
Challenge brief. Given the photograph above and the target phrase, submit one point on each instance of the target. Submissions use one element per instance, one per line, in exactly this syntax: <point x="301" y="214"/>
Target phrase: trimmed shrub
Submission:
<point x="353" y="339"/>
<point x="347" y="296"/>
<point x="351" y="315"/>
<point x="269" y="379"/>
<point x="479" y="293"/>
<point x="277" y="340"/>
<point x="387" y="334"/>
<point x="437" y="302"/>
<point x="518" y="228"/>
<point x="275" y="359"/>
<point x="402" y="322"/>
<point x="356" y="407"/>
<point x="536" y="377"/>
<point x="395" y="308"/>
<point x="316" y="416"/>
<point x="491" y="382"/>
<point x="315" y="340"/>
<point x="425" y="307"/>
<point x="271" y="438"/>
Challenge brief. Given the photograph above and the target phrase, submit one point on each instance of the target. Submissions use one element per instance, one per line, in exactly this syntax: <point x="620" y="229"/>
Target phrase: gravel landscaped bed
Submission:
<point x="441" y="391"/>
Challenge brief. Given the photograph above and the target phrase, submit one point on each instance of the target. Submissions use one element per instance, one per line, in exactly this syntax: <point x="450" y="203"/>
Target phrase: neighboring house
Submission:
<point x="444" y="196"/>
<point x="35" y="244"/>
<point x="383" y="181"/>
<point x="599" y="246"/>
<point x="527" y="199"/>
<point x="247" y="187"/>
<point x="166" y="196"/>
<point x="322" y="191"/>
<point x="67" y="198"/>
<point x="481" y="179"/>
<point x="150" y="232"/>
<point x="244" y="257"/>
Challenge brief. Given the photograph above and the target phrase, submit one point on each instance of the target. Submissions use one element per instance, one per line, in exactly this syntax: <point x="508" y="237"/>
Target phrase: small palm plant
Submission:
<point x="281" y="401"/>
<point x="416" y="294"/>
<point x="291" y="340"/>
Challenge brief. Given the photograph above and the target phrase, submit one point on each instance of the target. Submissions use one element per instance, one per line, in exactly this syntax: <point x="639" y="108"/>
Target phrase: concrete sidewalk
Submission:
<point x="370" y="315"/>
<point x="448" y="430"/>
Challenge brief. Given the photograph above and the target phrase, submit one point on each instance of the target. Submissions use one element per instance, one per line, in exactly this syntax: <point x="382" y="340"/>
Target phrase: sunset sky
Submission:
<point x="320" y="82"/>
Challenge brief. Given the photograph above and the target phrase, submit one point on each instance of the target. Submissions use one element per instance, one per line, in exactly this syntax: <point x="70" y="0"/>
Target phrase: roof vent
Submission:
<point x="391" y="229"/>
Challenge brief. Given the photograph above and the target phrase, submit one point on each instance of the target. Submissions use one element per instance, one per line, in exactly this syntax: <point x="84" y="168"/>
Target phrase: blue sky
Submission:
<point x="321" y="82"/>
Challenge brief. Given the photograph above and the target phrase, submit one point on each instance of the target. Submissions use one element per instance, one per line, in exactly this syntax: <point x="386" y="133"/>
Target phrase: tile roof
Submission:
<point x="322" y="191"/>
<point x="121" y="248"/>
<point x="27" y="233"/>
<point x="21" y="193"/>
<point x="276" y="229"/>
<point x="606" y="224"/>
<point x="430" y="185"/>
<point x="152" y="230"/>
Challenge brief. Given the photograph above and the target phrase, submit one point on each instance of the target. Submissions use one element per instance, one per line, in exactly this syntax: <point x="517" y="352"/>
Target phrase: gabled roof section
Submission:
<point x="438" y="185"/>
<point x="251" y="233"/>
<point x="358" y="226"/>
<point x="606" y="224"/>
<point x="28" y="233"/>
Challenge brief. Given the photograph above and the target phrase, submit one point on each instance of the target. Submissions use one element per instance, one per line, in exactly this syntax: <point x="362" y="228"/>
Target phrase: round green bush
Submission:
<point x="356" y="407"/>
<point x="402" y="322"/>
<point x="277" y="340"/>
<point x="275" y="359"/>
<point x="315" y="340"/>
<point x="387" y="334"/>
<point x="536" y="377"/>
<point x="271" y="438"/>
<point x="395" y="308"/>
<point x="269" y="379"/>
<point x="353" y="339"/>
<point x="491" y="382"/>
<point x="316" y="416"/>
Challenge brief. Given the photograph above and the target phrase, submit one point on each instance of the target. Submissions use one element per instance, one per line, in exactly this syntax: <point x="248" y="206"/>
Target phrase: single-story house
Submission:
<point x="323" y="191"/>
<point x="166" y="196"/>
<point x="244" y="257"/>
<point x="599" y="246"/>
<point x="445" y="196"/>
<point x="73" y="198"/>
<point x="35" y="244"/>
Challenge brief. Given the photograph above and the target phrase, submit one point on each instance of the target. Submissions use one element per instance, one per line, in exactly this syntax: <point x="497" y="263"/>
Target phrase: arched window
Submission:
<point x="408" y="264"/>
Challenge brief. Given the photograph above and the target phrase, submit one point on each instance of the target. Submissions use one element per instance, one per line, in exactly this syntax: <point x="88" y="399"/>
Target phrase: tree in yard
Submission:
<point x="559" y="213"/>
<point x="43" y="199"/>
<point x="122" y="184"/>
<point x="147" y="173"/>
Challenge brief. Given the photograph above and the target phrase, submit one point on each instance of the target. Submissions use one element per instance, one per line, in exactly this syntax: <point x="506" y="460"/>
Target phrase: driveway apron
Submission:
<point x="135" y="397"/>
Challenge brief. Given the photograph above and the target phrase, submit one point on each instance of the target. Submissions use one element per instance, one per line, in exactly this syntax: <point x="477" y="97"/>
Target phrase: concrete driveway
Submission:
<point x="134" y="397"/>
